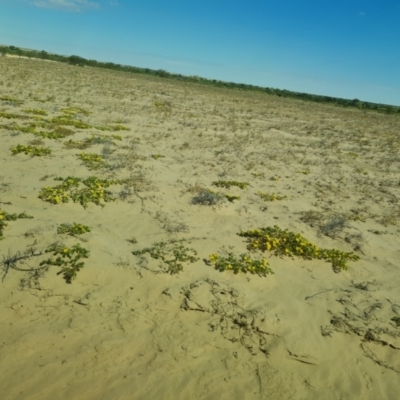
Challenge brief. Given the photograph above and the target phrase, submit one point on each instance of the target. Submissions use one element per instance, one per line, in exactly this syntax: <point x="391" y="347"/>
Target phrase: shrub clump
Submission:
<point x="242" y="264"/>
<point x="286" y="243"/>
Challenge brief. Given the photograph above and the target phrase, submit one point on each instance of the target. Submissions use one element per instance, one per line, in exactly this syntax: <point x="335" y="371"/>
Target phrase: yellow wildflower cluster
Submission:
<point x="270" y="196"/>
<point x="59" y="194"/>
<point x="91" y="160"/>
<point x="284" y="242"/>
<point x="93" y="191"/>
<point x="242" y="264"/>
<point x="33" y="150"/>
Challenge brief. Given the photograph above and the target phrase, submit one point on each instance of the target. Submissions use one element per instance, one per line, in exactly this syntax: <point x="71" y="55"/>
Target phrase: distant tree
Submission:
<point x="43" y="54"/>
<point x="76" y="60"/>
<point x="162" y="73"/>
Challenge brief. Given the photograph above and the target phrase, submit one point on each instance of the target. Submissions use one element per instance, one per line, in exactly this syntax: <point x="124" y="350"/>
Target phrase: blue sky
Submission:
<point x="340" y="48"/>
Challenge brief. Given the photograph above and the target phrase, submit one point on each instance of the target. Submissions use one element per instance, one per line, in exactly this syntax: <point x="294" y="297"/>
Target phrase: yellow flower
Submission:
<point x="213" y="257"/>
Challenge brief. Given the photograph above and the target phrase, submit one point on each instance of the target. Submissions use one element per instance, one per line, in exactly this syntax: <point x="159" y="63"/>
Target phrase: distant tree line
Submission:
<point x="80" y="61"/>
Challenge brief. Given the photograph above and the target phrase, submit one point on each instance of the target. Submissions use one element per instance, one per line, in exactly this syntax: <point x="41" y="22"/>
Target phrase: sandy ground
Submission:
<point x="127" y="329"/>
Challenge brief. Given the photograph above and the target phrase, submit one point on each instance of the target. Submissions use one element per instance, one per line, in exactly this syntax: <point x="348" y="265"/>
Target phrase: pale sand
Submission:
<point x="120" y="331"/>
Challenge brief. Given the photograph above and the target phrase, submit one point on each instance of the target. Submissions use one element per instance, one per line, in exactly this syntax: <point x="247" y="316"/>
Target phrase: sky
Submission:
<point x="340" y="48"/>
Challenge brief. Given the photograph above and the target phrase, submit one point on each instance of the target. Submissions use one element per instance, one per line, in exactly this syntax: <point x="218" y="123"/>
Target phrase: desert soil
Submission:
<point x="128" y="328"/>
